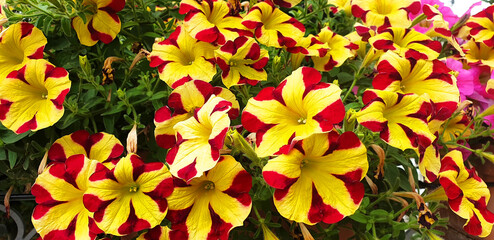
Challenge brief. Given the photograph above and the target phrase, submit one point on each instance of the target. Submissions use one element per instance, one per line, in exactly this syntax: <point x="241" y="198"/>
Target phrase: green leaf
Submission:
<point x="120" y="107"/>
<point x="359" y="217"/>
<point x="109" y="123"/>
<point x="159" y="95"/>
<point x="25" y="165"/>
<point x="151" y="35"/>
<point x="3" y="156"/>
<point x="9" y="137"/>
<point x="66" y="27"/>
<point x="12" y="158"/>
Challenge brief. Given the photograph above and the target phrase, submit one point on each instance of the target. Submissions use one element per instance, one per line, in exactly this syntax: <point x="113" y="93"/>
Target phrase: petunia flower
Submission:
<point x="299" y="107"/>
<point x="184" y="100"/>
<point x="272" y="27"/>
<point x="401" y="119"/>
<point x="340" y="49"/>
<point x="157" y="233"/>
<point x="210" y="21"/>
<point x="208" y="207"/>
<point x="385" y="13"/>
<point x="181" y="58"/>
<point x="129" y="198"/>
<point x="407" y="43"/>
<point x="319" y="179"/>
<point x="446" y="12"/>
<point x="242" y="61"/>
<point x="103" y="147"/>
<point x="59" y="190"/>
<point x="440" y="27"/>
<point x="478" y="53"/>
<point x="404" y="75"/>
<point x="481" y="26"/>
<point x="32" y="97"/>
<point x="466" y="193"/>
<point x="199" y="139"/>
<point x="101" y="24"/>
<point x="18" y="44"/>
<point x="307" y="47"/>
<point x="454" y="127"/>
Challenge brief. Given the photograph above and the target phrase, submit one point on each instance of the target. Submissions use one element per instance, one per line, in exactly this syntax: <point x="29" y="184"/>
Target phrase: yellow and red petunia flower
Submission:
<point x="340" y="49"/>
<point x="199" y="139"/>
<point x="482" y="26"/>
<point x="429" y="157"/>
<point x="184" y="100"/>
<point x="103" y="147"/>
<point x="129" y="198"/>
<point x="385" y="13"/>
<point x="18" y="44"/>
<point x="307" y="47"/>
<point x="102" y="24"/>
<point x="210" y="21"/>
<point x="242" y="61"/>
<point x="455" y="127"/>
<point x="208" y="207"/>
<point x="440" y="27"/>
<point x="327" y="169"/>
<point x="32" y="97"/>
<point x="407" y="75"/>
<point x="478" y="53"/>
<point x="466" y="193"/>
<point x="59" y="190"/>
<point x="272" y="27"/>
<point x="401" y="119"/>
<point x="299" y="107"/>
<point x="181" y="58"/>
<point x="407" y="43"/>
<point x="157" y="233"/>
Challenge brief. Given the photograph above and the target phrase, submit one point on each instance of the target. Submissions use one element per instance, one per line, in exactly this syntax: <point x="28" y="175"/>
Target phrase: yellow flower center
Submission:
<point x="304" y="163"/>
<point x="302" y="120"/>
<point x="44" y="95"/>
<point x="133" y="188"/>
<point x="209" y="185"/>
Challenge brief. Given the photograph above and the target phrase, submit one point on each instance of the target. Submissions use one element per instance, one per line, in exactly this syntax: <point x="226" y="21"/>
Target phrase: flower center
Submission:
<point x="133" y="188"/>
<point x="304" y="163"/>
<point x="209" y="185"/>
<point x="44" y="95"/>
<point x="302" y="120"/>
